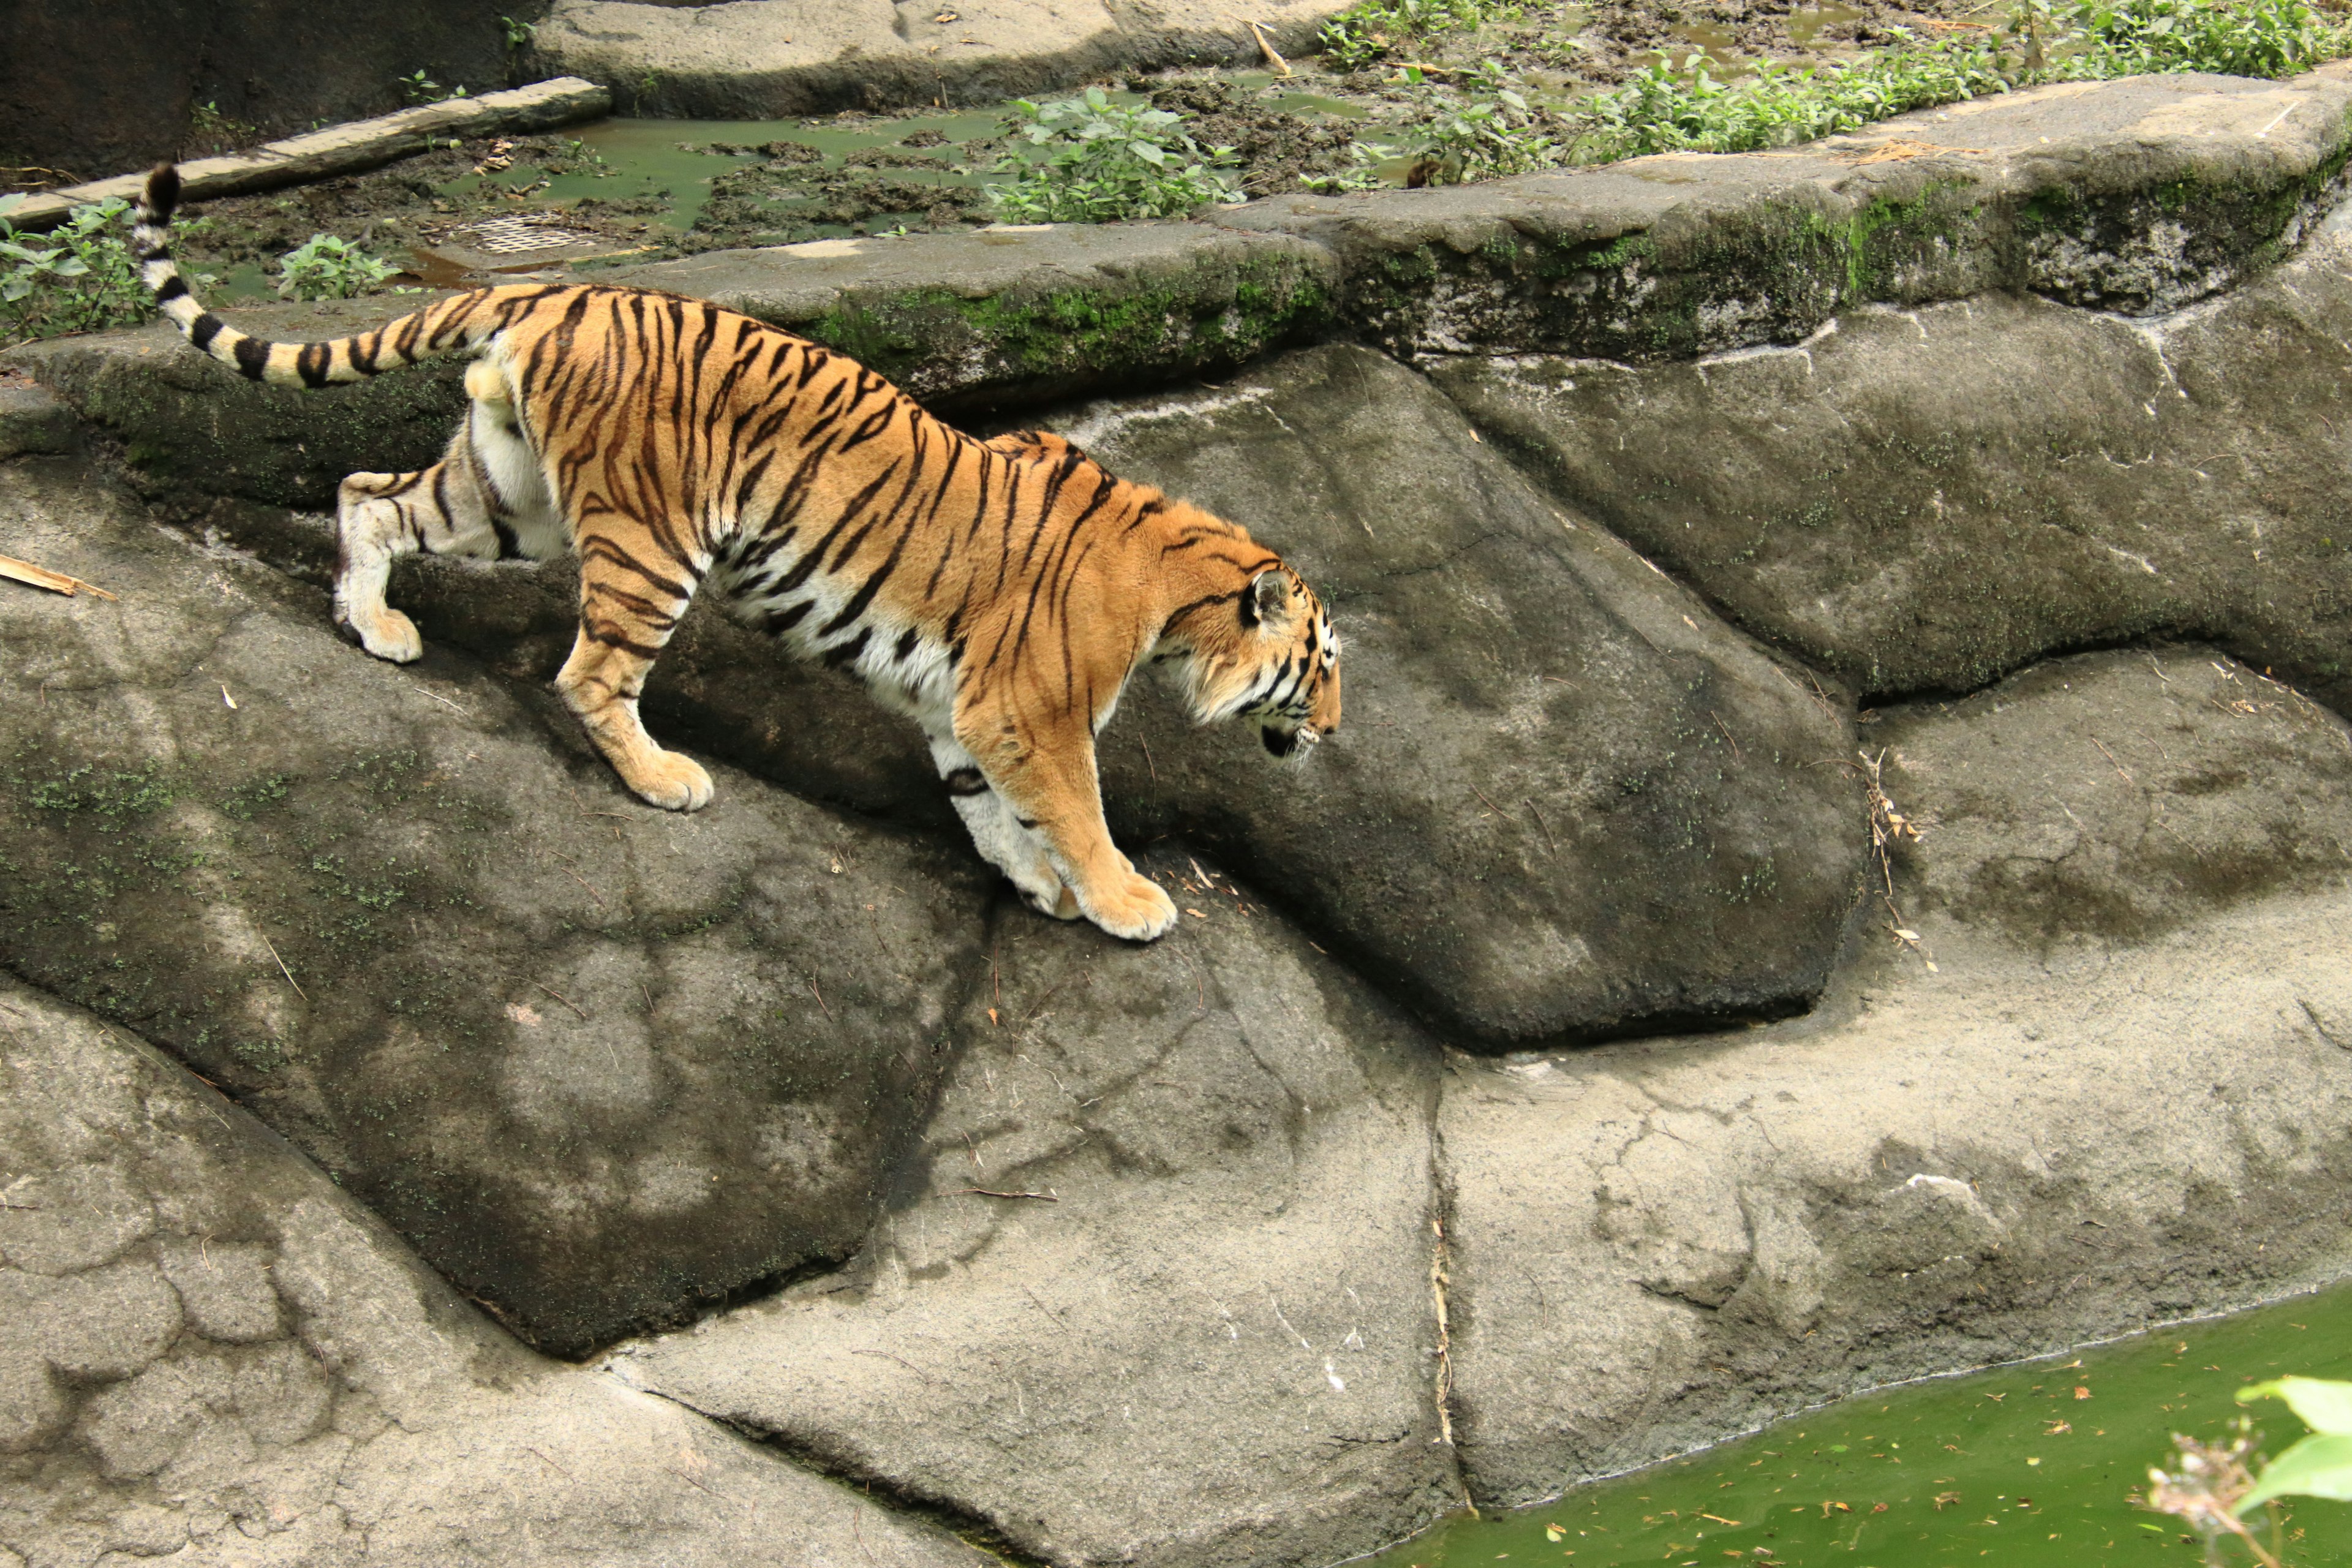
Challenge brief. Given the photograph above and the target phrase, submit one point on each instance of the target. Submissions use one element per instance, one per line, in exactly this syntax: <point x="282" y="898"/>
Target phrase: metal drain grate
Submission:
<point x="517" y="235"/>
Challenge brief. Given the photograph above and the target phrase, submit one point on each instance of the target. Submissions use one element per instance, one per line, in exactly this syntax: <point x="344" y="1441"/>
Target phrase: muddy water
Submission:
<point x="2032" y="1466"/>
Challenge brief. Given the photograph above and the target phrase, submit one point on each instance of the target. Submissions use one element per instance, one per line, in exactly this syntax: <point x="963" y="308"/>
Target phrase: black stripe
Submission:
<point x="311" y="364"/>
<point x="253" y="358"/>
<point x="777" y="621"/>
<point x="171" y="289"/>
<point x="835" y="657"/>
<point x="966" y="782"/>
<point x="205" y="329"/>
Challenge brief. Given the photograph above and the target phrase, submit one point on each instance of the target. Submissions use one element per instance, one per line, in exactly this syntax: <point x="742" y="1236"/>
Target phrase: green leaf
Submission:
<point x="2324" y="1405"/>
<point x="2319" y="1466"/>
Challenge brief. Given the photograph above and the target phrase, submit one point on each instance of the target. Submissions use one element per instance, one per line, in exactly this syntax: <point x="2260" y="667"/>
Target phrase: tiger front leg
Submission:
<point x="629" y="605"/>
<point x="1046" y="784"/>
<point x="1001" y="841"/>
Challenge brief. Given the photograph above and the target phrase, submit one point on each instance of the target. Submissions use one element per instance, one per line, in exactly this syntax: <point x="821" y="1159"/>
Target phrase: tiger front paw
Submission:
<point x="672" y="782"/>
<point x="1135" y="907"/>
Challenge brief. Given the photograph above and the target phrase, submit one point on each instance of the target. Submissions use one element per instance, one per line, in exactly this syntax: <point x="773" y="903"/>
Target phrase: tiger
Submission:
<point x="1000" y="592"/>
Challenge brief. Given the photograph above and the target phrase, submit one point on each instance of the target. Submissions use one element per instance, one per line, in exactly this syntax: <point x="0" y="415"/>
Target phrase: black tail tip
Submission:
<point x="163" y="189"/>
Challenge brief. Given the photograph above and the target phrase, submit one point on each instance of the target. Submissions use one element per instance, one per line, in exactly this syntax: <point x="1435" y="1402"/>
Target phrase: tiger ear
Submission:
<point x="1268" y="595"/>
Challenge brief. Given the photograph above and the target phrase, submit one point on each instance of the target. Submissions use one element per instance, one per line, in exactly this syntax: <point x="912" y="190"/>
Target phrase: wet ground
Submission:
<point x="646" y="189"/>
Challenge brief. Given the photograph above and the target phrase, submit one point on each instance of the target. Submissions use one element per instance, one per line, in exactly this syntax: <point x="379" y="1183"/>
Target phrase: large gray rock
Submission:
<point x="211" y="1354"/>
<point x="1925" y="500"/>
<point x="2120" y="1096"/>
<point x="602" y="1065"/>
<point x="2137" y="195"/>
<point x="1564" y="799"/>
<point x="1210" y="1340"/>
<point x="758" y="60"/>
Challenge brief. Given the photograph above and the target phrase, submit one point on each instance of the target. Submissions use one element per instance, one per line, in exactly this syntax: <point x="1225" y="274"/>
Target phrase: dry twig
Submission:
<point x="42" y="577"/>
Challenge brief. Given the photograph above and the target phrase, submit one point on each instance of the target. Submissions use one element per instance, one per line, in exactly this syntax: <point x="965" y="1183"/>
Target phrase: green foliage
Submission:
<point x="2319" y="1464"/>
<point x="419" y="88"/>
<point x="2252" y="38"/>
<point x="1376" y="29"/>
<point x="77" y="277"/>
<point x="1088" y="160"/>
<point x="521" y="35"/>
<point x="1703" y="105"/>
<point x="1659" y="110"/>
<point x="325" y="268"/>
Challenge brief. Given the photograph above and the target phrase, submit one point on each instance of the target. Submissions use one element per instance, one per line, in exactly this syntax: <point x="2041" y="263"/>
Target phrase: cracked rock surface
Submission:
<point x="1210" y="1341"/>
<point x="211" y="1354"/>
<point x="2069" y="1128"/>
<point x="1926" y="499"/>
<point x="602" y="1065"/>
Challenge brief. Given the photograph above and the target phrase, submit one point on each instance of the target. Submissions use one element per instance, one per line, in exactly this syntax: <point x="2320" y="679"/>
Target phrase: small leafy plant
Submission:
<point x="222" y="132"/>
<point x="1377" y="29"/>
<point x="1486" y="138"/>
<point x="1088" y="160"/>
<point x="324" y="267"/>
<point x="419" y="89"/>
<point x="77" y="277"/>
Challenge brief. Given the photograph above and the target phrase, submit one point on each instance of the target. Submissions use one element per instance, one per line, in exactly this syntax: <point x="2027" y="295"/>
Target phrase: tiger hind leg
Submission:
<point x="1001" y="841"/>
<point x="469" y="503"/>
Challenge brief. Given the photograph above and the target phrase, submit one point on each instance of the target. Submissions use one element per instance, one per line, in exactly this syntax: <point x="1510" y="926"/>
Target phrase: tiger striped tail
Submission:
<point x="451" y="326"/>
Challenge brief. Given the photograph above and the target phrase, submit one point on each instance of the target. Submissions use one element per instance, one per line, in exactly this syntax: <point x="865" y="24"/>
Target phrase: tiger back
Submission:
<point x="1001" y="594"/>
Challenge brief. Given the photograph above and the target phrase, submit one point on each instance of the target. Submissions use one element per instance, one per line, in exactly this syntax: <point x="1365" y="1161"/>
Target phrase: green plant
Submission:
<point x="521" y="35"/>
<point x="1487" y="138"/>
<point x="2255" y="38"/>
<point x="1362" y="171"/>
<point x="207" y="124"/>
<point x="76" y="277"/>
<point x="419" y="88"/>
<point x="326" y="267"/>
<point x="2319" y="1464"/>
<point x="1376" y="28"/>
<point x="1088" y="160"/>
<point x="2212" y="1489"/>
<point x="1662" y="110"/>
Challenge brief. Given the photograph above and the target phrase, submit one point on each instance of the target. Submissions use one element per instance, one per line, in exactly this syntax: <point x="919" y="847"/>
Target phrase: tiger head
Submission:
<point x="1273" y="657"/>
<point x="1266" y="652"/>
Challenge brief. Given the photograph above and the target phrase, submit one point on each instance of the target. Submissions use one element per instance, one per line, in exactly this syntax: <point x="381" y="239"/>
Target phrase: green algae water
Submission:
<point x="2032" y="1466"/>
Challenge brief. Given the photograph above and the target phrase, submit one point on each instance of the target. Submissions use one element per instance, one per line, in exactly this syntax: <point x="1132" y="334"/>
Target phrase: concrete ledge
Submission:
<point x="758" y="60"/>
<point x="1030" y="312"/>
<point x="2139" y="196"/>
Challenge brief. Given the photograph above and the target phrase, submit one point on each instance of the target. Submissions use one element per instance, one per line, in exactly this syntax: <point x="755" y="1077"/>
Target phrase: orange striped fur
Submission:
<point x="1000" y="592"/>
